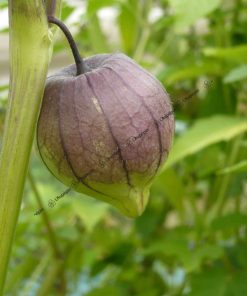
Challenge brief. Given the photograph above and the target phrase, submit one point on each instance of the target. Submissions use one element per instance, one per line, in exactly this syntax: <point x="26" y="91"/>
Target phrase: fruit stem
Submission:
<point x="80" y="65"/>
<point x="51" y="6"/>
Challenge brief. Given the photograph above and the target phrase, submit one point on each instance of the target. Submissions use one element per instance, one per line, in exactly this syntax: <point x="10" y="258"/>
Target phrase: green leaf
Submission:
<point x="96" y="35"/>
<point x="191" y="258"/>
<point x="237" y="285"/>
<point x="95" y="5"/>
<point x="128" y="24"/>
<point x="90" y="211"/>
<point x="229" y="221"/>
<point x="209" y="282"/>
<point x="171" y="185"/>
<point x="237" y="54"/>
<point x="236" y="74"/>
<point x="189" y="11"/>
<point x="66" y="11"/>
<point x="21" y="271"/>
<point x="105" y="290"/>
<point x="236" y="168"/>
<point x="206" y="132"/>
<point x="218" y="282"/>
<point x="190" y="72"/>
<point x="3" y="4"/>
<point x="4" y="87"/>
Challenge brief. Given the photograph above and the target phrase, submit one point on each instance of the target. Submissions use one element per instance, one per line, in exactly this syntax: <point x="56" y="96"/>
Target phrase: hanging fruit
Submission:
<point x="105" y="128"/>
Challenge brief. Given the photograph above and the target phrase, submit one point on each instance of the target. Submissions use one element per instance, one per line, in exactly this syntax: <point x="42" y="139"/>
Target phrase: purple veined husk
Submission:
<point x="102" y="132"/>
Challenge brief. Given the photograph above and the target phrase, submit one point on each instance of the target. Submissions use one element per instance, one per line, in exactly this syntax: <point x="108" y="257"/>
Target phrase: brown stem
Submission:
<point x="80" y="65"/>
<point x="51" y="7"/>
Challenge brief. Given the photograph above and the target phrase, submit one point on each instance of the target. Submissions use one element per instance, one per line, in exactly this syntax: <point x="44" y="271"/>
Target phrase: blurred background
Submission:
<point x="191" y="240"/>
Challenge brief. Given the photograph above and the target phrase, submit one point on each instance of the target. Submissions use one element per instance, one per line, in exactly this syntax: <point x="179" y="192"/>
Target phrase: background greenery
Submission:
<point x="191" y="240"/>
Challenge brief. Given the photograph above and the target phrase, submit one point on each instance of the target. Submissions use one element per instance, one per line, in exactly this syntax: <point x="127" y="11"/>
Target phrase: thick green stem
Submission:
<point x="30" y="44"/>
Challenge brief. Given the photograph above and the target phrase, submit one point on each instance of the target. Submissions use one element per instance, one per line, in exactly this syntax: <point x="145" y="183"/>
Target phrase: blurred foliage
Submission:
<point x="191" y="240"/>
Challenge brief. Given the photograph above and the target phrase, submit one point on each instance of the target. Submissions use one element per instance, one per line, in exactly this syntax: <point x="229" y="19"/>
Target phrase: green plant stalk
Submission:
<point x="40" y="269"/>
<point x="50" y="232"/>
<point x="236" y="14"/>
<point x="235" y="147"/>
<point x="30" y="48"/>
<point x="145" y="31"/>
<point x="224" y="182"/>
<point x="52" y="275"/>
